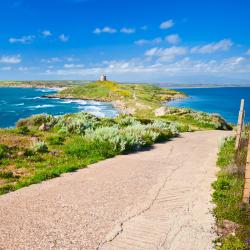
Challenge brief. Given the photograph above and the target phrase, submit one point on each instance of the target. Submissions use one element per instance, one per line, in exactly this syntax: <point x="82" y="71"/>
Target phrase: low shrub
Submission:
<point x="6" y="174"/>
<point x="3" y="151"/>
<point x="124" y="121"/>
<point x="36" y="121"/>
<point x="23" y="130"/>
<point x="40" y="147"/>
<point x="133" y="137"/>
<point x="136" y="136"/>
<point x="56" y="140"/>
<point x="232" y="243"/>
<point x="77" y="123"/>
<point x="102" y="134"/>
<point x="197" y="119"/>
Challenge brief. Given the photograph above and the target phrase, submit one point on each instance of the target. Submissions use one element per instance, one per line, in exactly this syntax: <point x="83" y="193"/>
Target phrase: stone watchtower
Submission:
<point x="103" y="78"/>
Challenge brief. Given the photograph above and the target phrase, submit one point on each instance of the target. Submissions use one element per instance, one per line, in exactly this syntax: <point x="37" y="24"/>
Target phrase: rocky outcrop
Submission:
<point x="160" y="111"/>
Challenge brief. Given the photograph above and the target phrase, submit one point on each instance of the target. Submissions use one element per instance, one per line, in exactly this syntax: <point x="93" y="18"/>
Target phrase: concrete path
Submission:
<point x="157" y="199"/>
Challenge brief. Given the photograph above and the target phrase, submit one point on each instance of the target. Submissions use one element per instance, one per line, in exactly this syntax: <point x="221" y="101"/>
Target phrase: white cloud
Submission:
<point x="222" y="45"/>
<point x="23" y="39"/>
<point x="166" y="54"/>
<point x="127" y="30"/>
<point x="63" y="38"/>
<point x="69" y="59"/>
<point x="11" y="59"/>
<point x="235" y="60"/>
<point x="173" y="39"/>
<point x="23" y="69"/>
<point x="167" y="24"/>
<point x="97" y="31"/>
<point x="248" y="52"/>
<point x="105" y="30"/>
<point x="46" y="33"/>
<point x="51" y="60"/>
<point x="7" y="68"/>
<point x="72" y="66"/>
<point x="26" y="69"/>
<point x="140" y="69"/>
<point x="155" y="41"/>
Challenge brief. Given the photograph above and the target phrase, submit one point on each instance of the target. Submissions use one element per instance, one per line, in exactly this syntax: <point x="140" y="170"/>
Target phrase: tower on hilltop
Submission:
<point x="103" y="78"/>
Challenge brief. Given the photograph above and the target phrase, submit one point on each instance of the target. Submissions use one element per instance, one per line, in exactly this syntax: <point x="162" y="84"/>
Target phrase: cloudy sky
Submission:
<point x="129" y="40"/>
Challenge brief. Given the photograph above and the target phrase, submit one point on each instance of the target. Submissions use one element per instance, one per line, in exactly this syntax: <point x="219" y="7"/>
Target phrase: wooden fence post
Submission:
<point x="239" y="125"/>
<point x="246" y="192"/>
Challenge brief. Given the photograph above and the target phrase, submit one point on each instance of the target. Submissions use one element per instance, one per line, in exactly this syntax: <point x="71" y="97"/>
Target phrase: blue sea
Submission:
<point x="17" y="103"/>
<point x="223" y="101"/>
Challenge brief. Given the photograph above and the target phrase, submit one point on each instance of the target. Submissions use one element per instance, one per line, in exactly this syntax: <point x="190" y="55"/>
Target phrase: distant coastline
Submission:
<point x="60" y="85"/>
<point x="33" y="87"/>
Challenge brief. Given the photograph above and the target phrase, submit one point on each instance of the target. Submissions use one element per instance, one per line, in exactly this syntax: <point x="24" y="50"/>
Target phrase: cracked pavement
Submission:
<point x="155" y="199"/>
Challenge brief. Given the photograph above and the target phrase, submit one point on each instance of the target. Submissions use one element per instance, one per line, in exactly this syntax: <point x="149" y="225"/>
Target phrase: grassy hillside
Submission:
<point x="137" y="99"/>
<point x="143" y="101"/>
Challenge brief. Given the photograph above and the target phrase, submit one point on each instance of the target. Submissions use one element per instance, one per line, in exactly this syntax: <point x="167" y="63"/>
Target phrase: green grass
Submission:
<point x="44" y="146"/>
<point x="142" y="101"/>
<point x="228" y="190"/>
<point x="70" y="142"/>
<point x="232" y="243"/>
<point x="226" y="154"/>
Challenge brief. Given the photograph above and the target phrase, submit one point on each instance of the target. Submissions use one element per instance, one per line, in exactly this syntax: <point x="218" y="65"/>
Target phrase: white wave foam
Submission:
<point x="89" y="108"/>
<point x="41" y="106"/>
<point x="45" y="90"/>
<point x="95" y="103"/>
<point x="31" y="98"/>
<point x="19" y="104"/>
<point x="81" y="102"/>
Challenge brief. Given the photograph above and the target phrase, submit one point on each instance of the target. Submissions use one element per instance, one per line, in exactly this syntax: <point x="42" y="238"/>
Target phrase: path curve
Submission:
<point x="156" y="199"/>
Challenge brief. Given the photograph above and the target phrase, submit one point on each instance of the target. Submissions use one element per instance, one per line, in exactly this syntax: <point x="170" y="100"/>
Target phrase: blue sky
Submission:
<point x="149" y="41"/>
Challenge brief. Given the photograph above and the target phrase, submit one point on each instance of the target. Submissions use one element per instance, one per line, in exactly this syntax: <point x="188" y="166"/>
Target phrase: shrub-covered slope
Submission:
<point x="138" y="99"/>
<point x="143" y="101"/>
<point x="43" y="146"/>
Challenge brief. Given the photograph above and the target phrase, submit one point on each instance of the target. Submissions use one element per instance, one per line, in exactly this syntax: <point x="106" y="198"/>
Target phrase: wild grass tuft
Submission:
<point x="228" y="190"/>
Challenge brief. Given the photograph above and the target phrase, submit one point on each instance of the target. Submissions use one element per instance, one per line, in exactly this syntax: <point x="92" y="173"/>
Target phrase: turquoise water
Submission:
<point x="17" y="103"/>
<point x="223" y="101"/>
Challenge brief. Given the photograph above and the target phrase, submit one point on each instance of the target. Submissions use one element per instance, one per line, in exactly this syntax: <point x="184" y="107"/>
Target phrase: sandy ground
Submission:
<point x="156" y="199"/>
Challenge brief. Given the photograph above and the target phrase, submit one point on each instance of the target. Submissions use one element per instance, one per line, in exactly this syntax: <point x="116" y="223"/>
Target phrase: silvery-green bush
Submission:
<point x="138" y="135"/>
<point x="124" y="121"/>
<point x="77" y="124"/>
<point x="133" y="137"/>
<point x="37" y="120"/>
<point x="40" y="147"/>
<point x="110" y="134"/>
